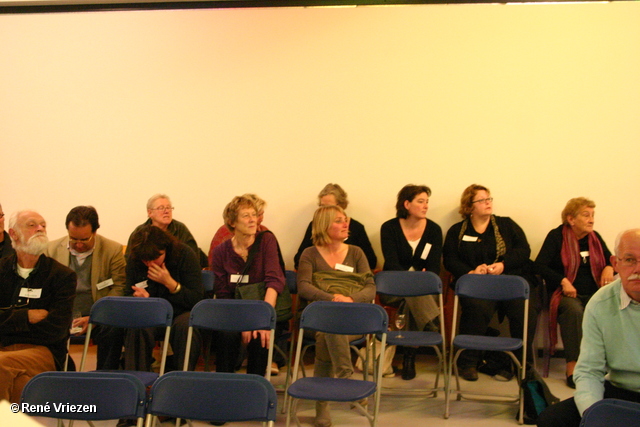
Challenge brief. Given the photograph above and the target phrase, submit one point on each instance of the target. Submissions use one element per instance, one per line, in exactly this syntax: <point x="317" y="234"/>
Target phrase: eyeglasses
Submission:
<point x="74" y="241"/>
<point x="488" y="199"/>
<point x="163" y="208"/>
<point x="628" y="262"/>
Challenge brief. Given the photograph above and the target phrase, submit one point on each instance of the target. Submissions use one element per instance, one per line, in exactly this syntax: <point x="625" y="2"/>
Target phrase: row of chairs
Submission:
<point x="107" y="395"/>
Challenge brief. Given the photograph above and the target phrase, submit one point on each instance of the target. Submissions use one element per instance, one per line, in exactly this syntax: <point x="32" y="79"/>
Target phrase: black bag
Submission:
<point x="537" y="396"/>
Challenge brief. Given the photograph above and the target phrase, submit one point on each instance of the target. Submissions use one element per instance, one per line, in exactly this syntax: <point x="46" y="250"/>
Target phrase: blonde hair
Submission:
<point x="322" y="220"/>
<point x="230" y="212"/>
<point x="336" y="191"/>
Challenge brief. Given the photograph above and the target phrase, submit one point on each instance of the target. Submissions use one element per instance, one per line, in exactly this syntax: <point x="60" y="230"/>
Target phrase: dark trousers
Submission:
<point x="565" y="413"/>
<point x="476" y="316"/>
<point x="109" y="341"/>
<point x="228" y="349"/>
<point x="139" y="344"/>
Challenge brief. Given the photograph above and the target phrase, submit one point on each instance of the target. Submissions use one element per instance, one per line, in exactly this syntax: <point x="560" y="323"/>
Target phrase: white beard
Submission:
<point x="36" y="245"/>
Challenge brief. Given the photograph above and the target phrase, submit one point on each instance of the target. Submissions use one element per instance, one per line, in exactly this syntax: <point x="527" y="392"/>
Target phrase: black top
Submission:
<point x="184" y="268"/>
<point x="56" y="285"/>
<point x="399" y="255"/>
<point x="5" y="246"/>
<point x="357" y="237"/>
<point x="549" y="263"/>
<point x="464" y="255"/>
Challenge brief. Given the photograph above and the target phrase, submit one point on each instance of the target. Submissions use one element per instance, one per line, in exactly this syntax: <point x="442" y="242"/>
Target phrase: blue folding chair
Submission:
<point x="234" y="315"/>
<point x="87" y="396"/>
<point x="132" y="312"/>
<point x="414" y="284"/>
<point x="213" y="396"/>
<point x="496" y="288"/>
<point x="612" y="412"/>
<point x="346" y="319"/>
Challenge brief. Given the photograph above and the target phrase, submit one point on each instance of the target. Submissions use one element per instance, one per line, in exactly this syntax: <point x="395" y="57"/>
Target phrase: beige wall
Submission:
<point x="538" y="102"/>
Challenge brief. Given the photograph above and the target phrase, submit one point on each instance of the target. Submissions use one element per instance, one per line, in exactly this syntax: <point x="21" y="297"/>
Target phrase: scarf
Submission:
<point x="571" y="258"/>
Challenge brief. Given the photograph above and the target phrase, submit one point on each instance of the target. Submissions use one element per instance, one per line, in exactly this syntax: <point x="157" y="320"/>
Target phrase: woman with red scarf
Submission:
<point x="574" y="261"/>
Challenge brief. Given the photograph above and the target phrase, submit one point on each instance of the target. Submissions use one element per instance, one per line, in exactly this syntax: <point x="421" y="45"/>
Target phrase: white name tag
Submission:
<point x="342" y="267"/>
<point x="104" y="284"/>
<point x="235" y="277"/>
<point x="425" y="251"/>
<point x="142" y="285"/>
<point x="30" y="293"/>
<point x="584" y="254"/>
<point x="466" y="238"/>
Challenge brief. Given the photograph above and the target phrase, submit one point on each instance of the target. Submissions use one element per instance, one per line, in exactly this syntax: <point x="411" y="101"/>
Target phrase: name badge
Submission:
<point x="142" y="285"/>
<point x="425" y="251"/>
<point x="342" y="267"/>
<point x="466" y="238"/>
<point x="584" y="255"/>
<point x="30" y="293"/>
<point x="104" y="284"/>
<point x="238" y="278"/>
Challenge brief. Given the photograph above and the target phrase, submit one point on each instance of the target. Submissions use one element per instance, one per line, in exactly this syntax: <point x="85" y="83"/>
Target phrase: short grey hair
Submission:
<point x="621" y="235"/>
<point x="156" y="197"/>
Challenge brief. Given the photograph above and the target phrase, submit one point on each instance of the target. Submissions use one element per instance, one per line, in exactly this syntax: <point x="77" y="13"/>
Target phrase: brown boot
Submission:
<point x="323" y="417"/>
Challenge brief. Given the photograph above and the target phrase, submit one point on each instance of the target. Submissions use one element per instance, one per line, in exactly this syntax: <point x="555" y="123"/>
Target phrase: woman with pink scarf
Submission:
<point x="574" y="261"/>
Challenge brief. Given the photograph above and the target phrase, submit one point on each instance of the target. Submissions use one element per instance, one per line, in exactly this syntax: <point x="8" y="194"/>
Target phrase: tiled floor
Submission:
<point x="399" y="410"/>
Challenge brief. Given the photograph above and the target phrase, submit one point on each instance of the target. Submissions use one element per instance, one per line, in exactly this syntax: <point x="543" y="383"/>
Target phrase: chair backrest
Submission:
<point x="344" y="318"/>
<point x="85" y="395"/>
<point x="213" y="396"/>
<point x="291" y="279"/>
<point x="131" y="312"/>
<point x="612" y="412"/>
<point x="408" y="283"/>
<point x="233" y="315"/>
<point x="492" y="287"/>
<point x="208" y="279"/>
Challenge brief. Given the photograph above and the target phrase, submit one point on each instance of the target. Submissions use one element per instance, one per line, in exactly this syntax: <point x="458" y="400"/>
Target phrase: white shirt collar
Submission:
<point x="625" y="299"/>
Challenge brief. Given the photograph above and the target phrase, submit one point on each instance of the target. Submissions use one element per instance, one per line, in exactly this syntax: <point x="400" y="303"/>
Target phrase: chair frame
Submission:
<point x="496" y="288"/>
<point x="133" y="313"/>
<point x="413" y="284"/>
<point x="328" y="317"/>
<point x="213" y="396"/>
<point x="106" y="390"/>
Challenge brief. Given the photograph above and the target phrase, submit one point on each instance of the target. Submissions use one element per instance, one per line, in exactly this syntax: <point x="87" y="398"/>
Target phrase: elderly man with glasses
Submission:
<point x="100" y="266"/>
<point x="36" y="300"/>
<point x="609" y="361"/>
<point x="160" y="213"/>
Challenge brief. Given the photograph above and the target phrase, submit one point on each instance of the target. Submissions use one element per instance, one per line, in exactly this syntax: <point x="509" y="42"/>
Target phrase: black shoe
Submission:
<point x="468" y="373"/>
<point x="124" y="422"/>
<point x="217" y="423"/>
<point x="409" y="364"/>
<point x="570" y="382"/>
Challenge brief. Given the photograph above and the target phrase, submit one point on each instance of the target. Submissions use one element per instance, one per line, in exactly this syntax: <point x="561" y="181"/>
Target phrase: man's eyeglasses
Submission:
<point x="163" y="208"/>
<point x="628" y="262"/>
<point x="74" y="241"/>
<point x="488" y="199"/>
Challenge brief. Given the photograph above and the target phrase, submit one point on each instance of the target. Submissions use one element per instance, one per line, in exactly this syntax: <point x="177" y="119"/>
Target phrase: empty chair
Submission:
<point x="213" y="396"/>
<point x="131" y="312"/>
<point x="233" y="315"/>
<point x="344" y="319"/>
<point x="89" y="396"/>
<point x="414" y="284"/>
<point x="495" y="288"/>
<point x="612" y="412"/>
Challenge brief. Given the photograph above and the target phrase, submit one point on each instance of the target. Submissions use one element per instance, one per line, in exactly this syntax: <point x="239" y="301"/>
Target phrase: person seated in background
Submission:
<point x="330" y="253"/>
<point x="100" y="268"/>
<point x="410" y="242"/>
<point x="334" y="195"/>
<point x="160" y="266"/>
<point x="160" y="213"/>
<point x="36" y="296"/>
<point x="574" y="261"/>
<point x="249" y="257"/>
<point x="483" y="243"/>
<point x="609" y="363"/>
<point x="223" y="234"/>
<point x="6" y="248"/>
